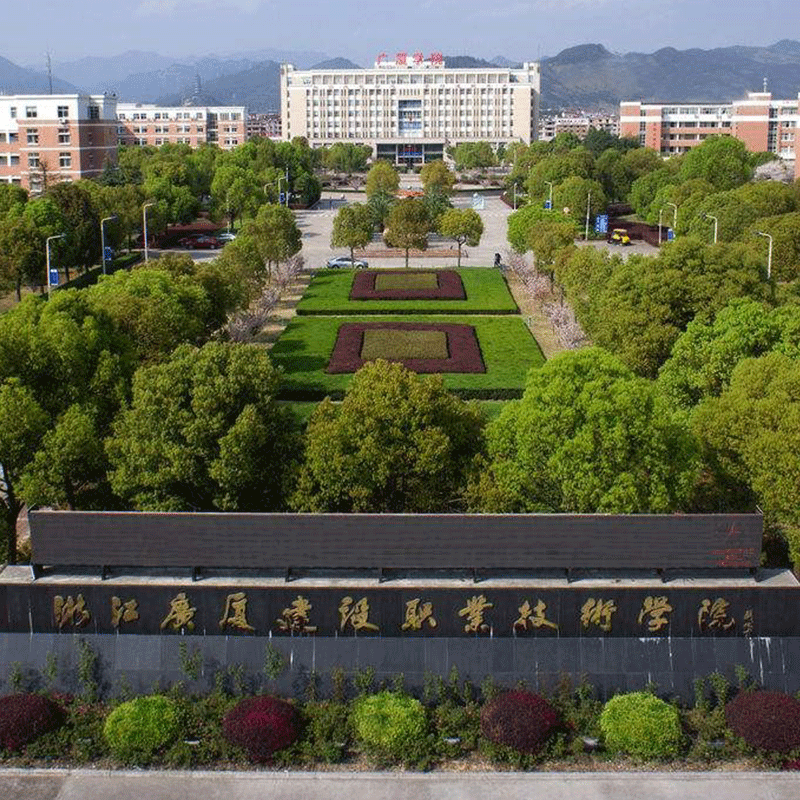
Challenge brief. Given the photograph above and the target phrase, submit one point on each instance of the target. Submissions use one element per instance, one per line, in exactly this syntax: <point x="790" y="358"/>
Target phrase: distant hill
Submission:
<point x="466" y="62"/>
<point x="97" y="73"/>
<point x="18" y="80"/>
<point x="336" y="63"/>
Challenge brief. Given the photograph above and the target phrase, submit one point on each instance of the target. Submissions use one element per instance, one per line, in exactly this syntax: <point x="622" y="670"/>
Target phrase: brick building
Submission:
<point x="578" y="123"/>
<point x="266" y="125"/>
<point x="55" y="137"/>
<point x="761" y="122"/>
<point x="146" y="124"/>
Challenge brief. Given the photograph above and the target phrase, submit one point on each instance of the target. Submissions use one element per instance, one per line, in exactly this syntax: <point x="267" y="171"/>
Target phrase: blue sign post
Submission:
<point x="670" y="234"/>
<point x="548" y="205"/>
<point x="54" y="277"/>
<point x="282" y="198"/>
<point x="601" y="223"/>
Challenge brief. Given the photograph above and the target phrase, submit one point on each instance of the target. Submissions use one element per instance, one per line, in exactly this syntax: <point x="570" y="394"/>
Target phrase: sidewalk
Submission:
<point x="143" y="785"/>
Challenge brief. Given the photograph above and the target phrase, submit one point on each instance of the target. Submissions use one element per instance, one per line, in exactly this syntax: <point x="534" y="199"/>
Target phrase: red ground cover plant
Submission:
<point x="25" y="717"/>
<point x="462" y="344"/>
<point x="519" y="719"/>
<point x="765" y="720"/>
<point x="450" y="286"/>
<point x="261" y="726"/>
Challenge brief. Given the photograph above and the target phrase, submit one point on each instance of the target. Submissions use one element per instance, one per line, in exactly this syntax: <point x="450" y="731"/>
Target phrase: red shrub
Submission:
<point x="25" y="717"/>
<point x="765" y="720"/>
<point x="261" y="726"/>
<point x="519" y="719"/>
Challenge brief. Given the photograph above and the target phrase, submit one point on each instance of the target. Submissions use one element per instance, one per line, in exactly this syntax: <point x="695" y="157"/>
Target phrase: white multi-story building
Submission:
<point x="578" y="123"/>
<point x="411" y="108"/>
<point x="46" y="138"/>
<point x="146" y="124"/>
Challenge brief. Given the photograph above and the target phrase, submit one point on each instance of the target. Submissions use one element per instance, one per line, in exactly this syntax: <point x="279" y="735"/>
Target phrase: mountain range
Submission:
<point x="587" y="76"/>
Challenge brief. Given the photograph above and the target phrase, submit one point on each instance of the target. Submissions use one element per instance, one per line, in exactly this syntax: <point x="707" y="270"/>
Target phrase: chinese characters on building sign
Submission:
<point x="401" y="59"/>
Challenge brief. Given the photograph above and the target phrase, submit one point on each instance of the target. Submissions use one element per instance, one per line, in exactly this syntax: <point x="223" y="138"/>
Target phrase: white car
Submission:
<point x="226" y="237"/>
<point x="345" y="262"/>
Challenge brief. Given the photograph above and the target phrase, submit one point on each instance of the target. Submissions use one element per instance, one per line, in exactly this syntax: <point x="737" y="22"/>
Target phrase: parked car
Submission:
<point x="203" y="243"/>
<point x="225" y="237"/>
<point x="345" y="262"/>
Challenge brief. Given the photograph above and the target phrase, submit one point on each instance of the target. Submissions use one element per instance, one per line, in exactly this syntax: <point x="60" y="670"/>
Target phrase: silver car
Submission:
<point x="345" y="262"/>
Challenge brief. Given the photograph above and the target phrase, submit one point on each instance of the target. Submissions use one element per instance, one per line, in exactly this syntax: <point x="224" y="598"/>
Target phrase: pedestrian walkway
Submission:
<point x="168" y="785"/>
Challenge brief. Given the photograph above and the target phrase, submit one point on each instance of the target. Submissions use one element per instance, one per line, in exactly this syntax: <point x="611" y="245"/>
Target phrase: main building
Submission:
<point x="409" y="109"/>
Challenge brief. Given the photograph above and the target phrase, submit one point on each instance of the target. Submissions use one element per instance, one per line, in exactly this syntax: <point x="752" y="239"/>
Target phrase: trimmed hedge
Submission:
<point x="765" y="720"/>
<point x="519" y="719"/>
<point x="25" y="717"/>
<point x="389" y="725"/>
<point x="641" y="724"/>
<point x="135" y="731"/>
<point x="261" y="726"/>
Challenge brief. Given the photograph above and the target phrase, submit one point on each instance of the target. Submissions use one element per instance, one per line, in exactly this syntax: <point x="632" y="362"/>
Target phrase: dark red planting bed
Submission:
<point x="449" y="286"/>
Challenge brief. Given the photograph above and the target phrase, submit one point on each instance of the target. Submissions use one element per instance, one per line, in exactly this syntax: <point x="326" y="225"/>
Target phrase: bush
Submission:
<point x="765" y="720"/>
<point x="641" y="725"/>
<point x="326" y="731"/>
<point x="390" y="725"/>
<point x="137" y="730"/>
<point x="261" y="726"/>
<point x="25" y="717"/>
<point x="519" y="719"/>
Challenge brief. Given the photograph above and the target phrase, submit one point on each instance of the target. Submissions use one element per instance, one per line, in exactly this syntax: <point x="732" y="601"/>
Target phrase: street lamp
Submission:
<point x="550" y="196"/>
<point x="144" y="216"/>
<point x="588" y="209"/>
<point x="769" y="253"/>
<point x="103" y="238"/>
<point x="716" y="224"/>
<point x="674" y="218"/>
<point x="515" y="197"/>
<point x="660" y="212"/>
<point x="278" y="181"/>
<point x="47" y="250"/>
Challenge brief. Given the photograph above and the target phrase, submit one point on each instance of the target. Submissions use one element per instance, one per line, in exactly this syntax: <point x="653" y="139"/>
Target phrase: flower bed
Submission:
<point x="408" y="285"/>
<point x="463" y="352"/>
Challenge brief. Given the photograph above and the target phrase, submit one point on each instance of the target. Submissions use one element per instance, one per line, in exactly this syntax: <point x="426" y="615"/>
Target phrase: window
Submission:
<point x="33" y="159"/>
<point x="33" y="136"/>
<point x="13" y="160"/>
<point x="2" y="137"/>
<point x="64" y="136"/>
<point x="64" y="160"/>
<point x="13" y="111"/>
<point x="63" y="112"/>
<point x="30" y="112"/>
<point x="94" y="112"/>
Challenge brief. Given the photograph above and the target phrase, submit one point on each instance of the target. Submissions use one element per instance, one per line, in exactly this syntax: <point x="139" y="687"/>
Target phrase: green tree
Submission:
<point x="22" y="254"/>
<point x="644" y="189"/>
<point x="23" y="423"/>
<point x="547" y="239"/>
<point x="347" y="157"/>
<point x="408" y="226"/>
<point x="398" y="442"/>
<point x="556" y="169"/>
<point x="523" y="220"/>
<point x="203" y="432"/>
<point x="275" y="233"/>
<point x="588" y="436"/>
<point x="382" y="178"/>
<point x="435" y="176"/>
<point x="379" y="205"/>
<point x="473" y="155"/>
<point x="721" y="160"/>
<point x="81" y="246"/>
<point x="785" y="232"/>
<point x="11" y="195"/>
<point x="352" y="227"/>
<point x="236" y="191"/>
<point x="462" y="224"/>
<point x="573" y="193"/>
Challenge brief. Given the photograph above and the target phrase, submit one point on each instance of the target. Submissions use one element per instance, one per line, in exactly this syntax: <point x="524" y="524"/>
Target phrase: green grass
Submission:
<point x="486" y="289"/>
<point x="386" y="281"/>
<point x="393" y="343"/>
<point x="508" y="349"/>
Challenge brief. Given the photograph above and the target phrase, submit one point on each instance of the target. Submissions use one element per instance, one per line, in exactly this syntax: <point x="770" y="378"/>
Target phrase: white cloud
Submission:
<point x="148" y="8"/>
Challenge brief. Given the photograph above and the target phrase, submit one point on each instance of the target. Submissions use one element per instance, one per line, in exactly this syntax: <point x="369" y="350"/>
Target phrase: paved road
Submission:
<point x="101" y="785"/>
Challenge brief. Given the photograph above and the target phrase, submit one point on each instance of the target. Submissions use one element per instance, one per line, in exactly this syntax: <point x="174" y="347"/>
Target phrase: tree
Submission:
<point x="722" y="160"/>
<point x="785" y="232"/>
<point x="473" y="155"/>
<point x="407" y="226"/>
<point x="203" y="432"/>
<point x="352" y="227"/>
<point x="347" y="157"/>
<point x="546" y="240"/>
<point x="21" y="251"/>
<point x="556" y="169"/>
<point x="521" y="222"/>
<point x="275" y="233"/>
<point x="379" y="205"/>
<point x="382" y="178"/>
<point x="398" y="442"/>
<point x="11" y="195"/>
<point x="574" y="194"/>
<point x="463" y="225"/>
<point x="588" y="436"/>
<point x="22" y="424"/>
<point x="435" y="176"/>
<point x="236" y="191"/>
<point x="81" y="246"/>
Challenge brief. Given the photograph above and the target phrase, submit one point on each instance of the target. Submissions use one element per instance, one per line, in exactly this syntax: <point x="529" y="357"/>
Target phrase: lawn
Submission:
<point x="392" y="343"/>
<point x="486" y="289"/>
<point x="508" y="349"/>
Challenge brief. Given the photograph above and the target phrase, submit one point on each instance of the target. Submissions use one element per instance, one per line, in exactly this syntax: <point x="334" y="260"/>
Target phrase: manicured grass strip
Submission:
<point x="486" y="293"/>
<point x="507" y="348"/>
<point x="395" y="343"/>
<point x="411" y="280"/>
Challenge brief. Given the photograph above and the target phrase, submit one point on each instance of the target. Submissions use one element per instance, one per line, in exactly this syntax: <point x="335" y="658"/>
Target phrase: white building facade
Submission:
<point x="410" y="109"/>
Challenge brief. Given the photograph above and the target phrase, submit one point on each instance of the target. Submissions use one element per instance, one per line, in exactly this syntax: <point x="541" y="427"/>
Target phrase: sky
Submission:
<point x="518" y="29"/>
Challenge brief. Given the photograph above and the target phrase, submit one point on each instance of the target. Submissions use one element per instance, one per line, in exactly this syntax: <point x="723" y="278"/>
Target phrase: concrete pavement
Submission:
<point x="169" y="785"/>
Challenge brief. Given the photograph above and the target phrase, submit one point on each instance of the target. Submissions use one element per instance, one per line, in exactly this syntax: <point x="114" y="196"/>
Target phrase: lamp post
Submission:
<point x="144" y="216"/>
<point x="515" y="197"/>
<point x="588" y="210"/>
<point x="47" y="250"/>
<point x="660" y="212"/>
<point x="769" y="253"/>
<point x="550" y="195"/>
<point x="278" y="181"/>
<point x="674" y="218"/>
<point x="103" y="238"/>
<point x="716" y="224"/>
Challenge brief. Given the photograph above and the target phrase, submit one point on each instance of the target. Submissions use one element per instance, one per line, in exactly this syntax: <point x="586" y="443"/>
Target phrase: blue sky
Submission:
<point x="519" y="29"/>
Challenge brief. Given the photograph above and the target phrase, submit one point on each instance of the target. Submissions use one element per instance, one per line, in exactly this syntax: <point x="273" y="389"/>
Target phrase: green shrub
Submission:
<point x="641" y="725"/>
<point x="137" y="730"/>
<point x="326" y="731"/>
<point x="390" y="726"/>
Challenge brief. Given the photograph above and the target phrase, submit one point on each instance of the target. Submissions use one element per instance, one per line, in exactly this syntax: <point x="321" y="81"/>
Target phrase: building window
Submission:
<point x="13" y="160"/>
<point x="65" y="138"/>
<point x="30" y="112"/>
<point x="33" y="160"/>
<point x="33" y="136"/>
<point x="94" y="112"/>
<point x="63" y="112"/>
<point x="13" y="111"/>
<point x="64" y="160"/>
